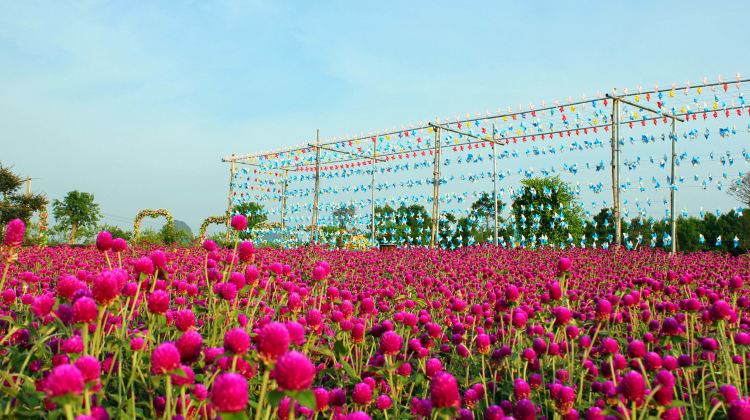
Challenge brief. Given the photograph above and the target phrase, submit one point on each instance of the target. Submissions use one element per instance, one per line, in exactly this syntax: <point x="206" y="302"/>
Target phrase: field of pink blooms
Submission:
<point x="122" y="331"/>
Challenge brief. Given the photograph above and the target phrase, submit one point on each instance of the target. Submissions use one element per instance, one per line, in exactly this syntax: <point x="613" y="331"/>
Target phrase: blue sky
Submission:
<point x="137" y="102"/>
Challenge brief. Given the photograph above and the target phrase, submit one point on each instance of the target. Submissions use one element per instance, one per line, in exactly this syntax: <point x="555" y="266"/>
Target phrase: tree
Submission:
<point x="116" y="231"/>
<point x="78" y="210"/>
<point x="547" y="207"/>
<point x="13" y="204"/>
<point x="256" y="216"/>
<point x="344" y="215"/>
<point x="741" y="190"/>
<point x="409" y="225"/>
<point x="484" y="208"/>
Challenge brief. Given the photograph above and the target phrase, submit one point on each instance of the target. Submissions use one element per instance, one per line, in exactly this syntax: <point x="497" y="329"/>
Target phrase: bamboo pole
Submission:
<point x="229" y="198"/>
<point x="314" y="227"/>
<point x="434" y="237"/>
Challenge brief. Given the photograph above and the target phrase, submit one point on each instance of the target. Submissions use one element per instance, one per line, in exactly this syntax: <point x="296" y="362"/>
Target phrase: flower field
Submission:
<point x="122" y="331"/>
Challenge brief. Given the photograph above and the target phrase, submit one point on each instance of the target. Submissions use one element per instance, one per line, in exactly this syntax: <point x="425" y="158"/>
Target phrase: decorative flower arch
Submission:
<point x="210" y="221"/>
<point x="149" y="213"/>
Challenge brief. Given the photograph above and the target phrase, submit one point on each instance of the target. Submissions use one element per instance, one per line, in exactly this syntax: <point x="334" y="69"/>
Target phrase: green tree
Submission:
<point x="344" y="215"/>
<point x="546" y="206"/>
<point x="741" y="190"/>
<point x="407" y="224"/>
<point x="116" y="231"/>
<point x="77" y="211"/>
<point x="484" y="209"/>
<point x="15" y="205"/>
<point x="256" y="216"/>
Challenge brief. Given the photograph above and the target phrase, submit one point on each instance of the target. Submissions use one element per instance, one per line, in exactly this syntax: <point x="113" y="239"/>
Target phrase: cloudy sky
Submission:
<point x="137" y="102"/>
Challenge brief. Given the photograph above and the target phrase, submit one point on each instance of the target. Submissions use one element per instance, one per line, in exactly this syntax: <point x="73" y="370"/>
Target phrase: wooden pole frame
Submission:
<point x="229" y="198"/>
<point x="434" y="236"/>
<point x="314" y="224"/>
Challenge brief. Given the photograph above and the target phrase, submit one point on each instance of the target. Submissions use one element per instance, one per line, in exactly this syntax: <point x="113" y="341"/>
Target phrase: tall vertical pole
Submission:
<point x="314" y="232"/>
<point x="434" y="238"/>
<point x="372" y="189"/>
<point x="616" y="168"/>
<point x="229" y="198"/>
<point x="494" y="182"/>
<point x="283" y="205"/>
<point x="28" y="185"/>
<point x="672" y="185"/>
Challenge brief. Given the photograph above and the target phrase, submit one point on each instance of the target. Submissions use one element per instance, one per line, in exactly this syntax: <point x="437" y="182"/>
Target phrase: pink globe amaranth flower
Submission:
<point x="136" y="343"/>
<point x="251" y="274"/>
<point x="563" y="316"/>
<point x="319" y="273"/>
<point x="294" y="371"/>
<point x="739" y="409"/>
<point x="633" y="387"/>
<point x="104" y="241"/>
<point x="245" y="251"/>
<point x="189" y="345"/>
<point x="72" y="345"/>
<point x="42" y="305"/>
<point x="200" y="392"/>
<point x="432" y="367"/>
<point x="521" y="389"/>
<point x="165" y="358"/>
<point x="64" y="380"/>
<point x="239" y="222"/>
<point x="595" y="413"/>
<point x="84" y="310"/>
<point x="229" y="393"/>
<point x="362" y="393"/>
<point x="236" y="341"/>
<point x="729" y="393"/>
<point x="14" y="232"/>
<point x="106" y="287"/>
<point x="144" y="265"/>
<point x="158" y="302"/>
<point x="119" y="245"/>
<point x="296" y="333"/>
<point x="321" y="399"/>
<point x="183" y="378"/>
<point x="563" y="265"/>
<point x="358" y="415"/>
<point x="483" y="343"/>
<point x="494" y="412"/>
<point x="159" y="258"/>
<point x="636" y="349"/>
<point x="184" y="319"/>
<point x="89" y="367"/>
<point x="383" y="402"/>
<point x="524" y="410"/>
<point x="276" y="268"/>
<point x="210" y="245"/>
<point x="272" y="341"/>
<point x="444" y="391"/>
<point x="390" y="343"/>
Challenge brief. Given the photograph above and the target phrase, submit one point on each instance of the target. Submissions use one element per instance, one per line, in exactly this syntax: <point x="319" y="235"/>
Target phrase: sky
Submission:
<point x="136" y="102"/>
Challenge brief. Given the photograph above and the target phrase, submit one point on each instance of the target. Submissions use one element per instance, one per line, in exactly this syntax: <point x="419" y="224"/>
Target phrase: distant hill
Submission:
<point x="180" y="225"/>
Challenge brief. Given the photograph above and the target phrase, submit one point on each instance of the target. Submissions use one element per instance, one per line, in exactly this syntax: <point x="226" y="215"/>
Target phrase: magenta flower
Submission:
<point x="272" y="341"/>
<point x="165" y="358"/>
<point x="444" y="391"/>
<point x="229" y="393"/>
<point x="14" y="233"/>
<point x="236" y="341"/>
<point x="239" y="222"/>
<point x="64" y="380"/>
<point x="390" y="343"/>
<point x="294" y="371"/>
<point x="104" y="241"/>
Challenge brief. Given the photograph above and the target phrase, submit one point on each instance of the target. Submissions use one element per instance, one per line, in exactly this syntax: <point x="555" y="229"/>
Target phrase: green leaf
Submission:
<point x="306" y="398"/>
<point x="340" y="348"/>
<point x="275" y="397"/>
<point x="349" y="370"/>
<point x="240" y="415"/>
<point x="180" y="372"/>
